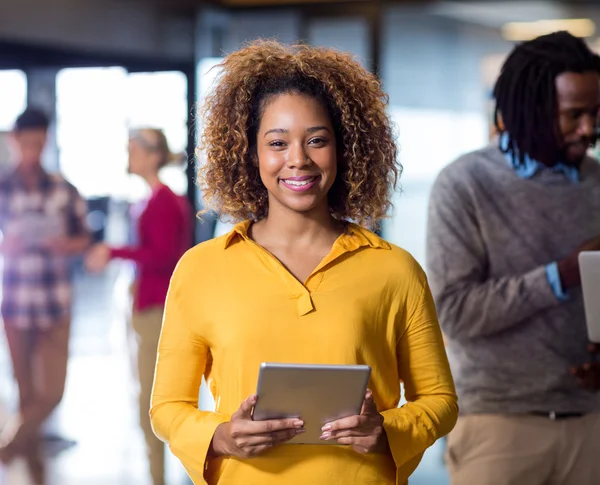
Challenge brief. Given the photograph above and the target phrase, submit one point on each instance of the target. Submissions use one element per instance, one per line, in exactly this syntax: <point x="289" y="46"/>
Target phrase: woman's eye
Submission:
<point x="276" y="144"/>
<point x="317" y="141"/>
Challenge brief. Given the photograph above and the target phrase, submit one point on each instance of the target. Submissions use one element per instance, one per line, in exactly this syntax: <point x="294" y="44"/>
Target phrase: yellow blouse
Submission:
<point x="232" y="305"/>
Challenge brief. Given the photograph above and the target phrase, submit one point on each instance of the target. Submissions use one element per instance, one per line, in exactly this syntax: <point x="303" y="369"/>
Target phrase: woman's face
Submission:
<point x="137" y="156"/>
<point x="142" y="161"/>
<point x="297" y="155"/>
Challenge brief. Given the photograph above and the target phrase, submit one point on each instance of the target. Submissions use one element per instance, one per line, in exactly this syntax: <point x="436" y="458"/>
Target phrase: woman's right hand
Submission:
<point x="244" y="438"/>
<point x="97" y="258"/>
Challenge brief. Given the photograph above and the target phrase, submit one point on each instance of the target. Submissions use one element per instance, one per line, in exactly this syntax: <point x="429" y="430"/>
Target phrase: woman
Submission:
<point x="297" y="144"/>
<point x="164" y="233"/>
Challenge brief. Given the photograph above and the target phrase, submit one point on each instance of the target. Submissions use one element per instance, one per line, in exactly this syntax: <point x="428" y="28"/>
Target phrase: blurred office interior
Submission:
<point x="100" y="67"/>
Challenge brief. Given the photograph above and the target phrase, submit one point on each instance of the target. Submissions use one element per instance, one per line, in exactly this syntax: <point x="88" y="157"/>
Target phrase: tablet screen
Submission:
<point x="317" y="394"/>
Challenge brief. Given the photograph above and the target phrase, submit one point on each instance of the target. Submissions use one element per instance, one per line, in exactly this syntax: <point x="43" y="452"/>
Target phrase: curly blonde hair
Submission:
<point x="368" y="170"/>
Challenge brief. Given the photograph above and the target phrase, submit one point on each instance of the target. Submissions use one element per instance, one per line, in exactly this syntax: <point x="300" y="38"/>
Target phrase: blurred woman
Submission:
<point x="164" y="232"/>
<point x="300" y="151"/>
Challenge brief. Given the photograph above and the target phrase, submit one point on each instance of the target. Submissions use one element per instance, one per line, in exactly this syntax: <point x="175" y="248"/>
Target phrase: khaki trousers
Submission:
<point x="146" y="328"/>
<point x="524" y="450"/>
<point x="39" y="360"/>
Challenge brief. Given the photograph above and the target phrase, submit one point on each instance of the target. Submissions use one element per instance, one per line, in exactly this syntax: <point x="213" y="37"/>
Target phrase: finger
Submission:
<point x="347" y="433"/>
<point x="369" y="405"/>
<point x="258" y="450"/>
<point x="581" y="371"/>
<point x="578" y="371"/>
<point x="273" y="425"/>
<point x="360" y="449"/>
<point x="590" y="376"/>
<point x="373" y="426"/>
<point x="361" y="445"/>
<point x="589" y="384"/>
<point x="272" y="438"/>
<point x="589" y="380"/>
<point x="245" y="410"/>
<point x="365" y="404"/>
<point x="350" y="422"/>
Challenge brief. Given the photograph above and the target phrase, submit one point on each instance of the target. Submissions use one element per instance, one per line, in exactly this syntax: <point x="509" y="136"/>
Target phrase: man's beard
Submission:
<point x="584" y="144"/>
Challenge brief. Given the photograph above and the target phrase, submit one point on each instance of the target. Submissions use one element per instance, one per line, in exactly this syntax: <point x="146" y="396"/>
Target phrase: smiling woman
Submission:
<point x="352" y="108"/>
<point x="299" y="151"/>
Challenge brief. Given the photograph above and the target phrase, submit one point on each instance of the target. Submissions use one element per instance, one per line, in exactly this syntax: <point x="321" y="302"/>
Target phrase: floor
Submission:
<point x="98" y="420"/>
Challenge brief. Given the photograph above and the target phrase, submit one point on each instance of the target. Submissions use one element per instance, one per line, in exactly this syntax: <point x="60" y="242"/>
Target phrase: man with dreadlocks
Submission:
<point x="506" y="226"/>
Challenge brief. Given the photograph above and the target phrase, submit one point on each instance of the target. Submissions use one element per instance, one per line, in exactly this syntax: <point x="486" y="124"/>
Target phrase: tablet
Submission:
<point x="317" y="394"/>
<point x="589" y="268"/>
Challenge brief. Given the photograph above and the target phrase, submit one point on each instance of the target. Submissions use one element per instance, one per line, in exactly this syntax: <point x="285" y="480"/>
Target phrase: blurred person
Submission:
<point x="506" y="225"/>
<point x="164" y="232"/>
<point x="298" y="144"/>
<point x="43" y="222"/>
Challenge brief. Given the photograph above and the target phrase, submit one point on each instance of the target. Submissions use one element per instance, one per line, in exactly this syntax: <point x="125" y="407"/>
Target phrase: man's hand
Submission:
<point x="568" y="268"/>
<point x="364" y="432"/>
<point x="56" y="245"/>
<point x="588" y="374"/>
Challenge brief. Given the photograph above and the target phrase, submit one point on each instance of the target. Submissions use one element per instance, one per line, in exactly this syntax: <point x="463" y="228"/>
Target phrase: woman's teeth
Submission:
<point x="300" y="183"/>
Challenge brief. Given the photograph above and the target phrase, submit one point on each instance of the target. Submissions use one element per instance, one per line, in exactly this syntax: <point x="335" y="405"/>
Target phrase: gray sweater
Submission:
<point x="490" y="235"/>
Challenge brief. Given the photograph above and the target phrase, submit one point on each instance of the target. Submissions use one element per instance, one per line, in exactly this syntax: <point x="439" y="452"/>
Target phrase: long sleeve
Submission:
<point x="469" y="302"/>
<point x="77" y="215"/>
<point x="4" y="205"/>
<point x="160" y="246"/>
<point x="183" y="358"/>
<point x="431" y="410"/>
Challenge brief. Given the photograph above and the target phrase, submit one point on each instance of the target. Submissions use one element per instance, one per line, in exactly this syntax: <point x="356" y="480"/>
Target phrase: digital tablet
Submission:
<point x="317" y="394"/>
<point x="589" y="267"/>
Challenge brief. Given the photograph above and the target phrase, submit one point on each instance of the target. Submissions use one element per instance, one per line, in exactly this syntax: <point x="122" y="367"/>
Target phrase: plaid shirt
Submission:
<point x="37" y="284"/>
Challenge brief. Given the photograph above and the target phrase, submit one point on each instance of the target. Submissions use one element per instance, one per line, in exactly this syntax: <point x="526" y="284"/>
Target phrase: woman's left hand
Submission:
<point x="364" y="432"/>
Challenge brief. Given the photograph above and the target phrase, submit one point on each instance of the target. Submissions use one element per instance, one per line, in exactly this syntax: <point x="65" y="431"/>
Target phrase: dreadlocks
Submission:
<point x="525" y="93"/>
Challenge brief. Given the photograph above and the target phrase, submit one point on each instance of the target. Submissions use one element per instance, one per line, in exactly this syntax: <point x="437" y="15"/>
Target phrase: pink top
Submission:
<point x="164" y="234"/>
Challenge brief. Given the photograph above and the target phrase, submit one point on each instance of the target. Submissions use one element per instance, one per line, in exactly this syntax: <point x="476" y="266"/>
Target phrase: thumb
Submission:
<point x="245" y="410"/>
<point x="369" y="406"/>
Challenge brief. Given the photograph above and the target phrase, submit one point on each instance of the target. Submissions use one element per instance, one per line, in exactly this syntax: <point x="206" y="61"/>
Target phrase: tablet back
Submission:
<point x="317" y="394"/>
<point x="589" y="266"/>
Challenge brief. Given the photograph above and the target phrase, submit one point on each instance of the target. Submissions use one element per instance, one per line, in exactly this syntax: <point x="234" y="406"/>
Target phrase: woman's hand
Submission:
<point x="97" y="258"/>
<point x="244" y="438"/>
<point x="364" y="432"/>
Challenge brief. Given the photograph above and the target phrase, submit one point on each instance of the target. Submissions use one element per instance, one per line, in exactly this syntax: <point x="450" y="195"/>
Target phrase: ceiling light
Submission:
<point x="521" y="31"/>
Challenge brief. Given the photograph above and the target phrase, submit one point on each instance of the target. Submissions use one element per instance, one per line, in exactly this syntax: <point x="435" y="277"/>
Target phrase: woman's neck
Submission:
<point x="152" y="180"/>
<point x="288" y="228"/>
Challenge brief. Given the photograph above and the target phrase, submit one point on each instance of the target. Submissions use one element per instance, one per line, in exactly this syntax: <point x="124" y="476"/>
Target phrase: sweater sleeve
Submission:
<point x="471" y="304"/>
<point x="160" y="248"/>
<point x="183" y="358"/>
<point x="431" y="409"/>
